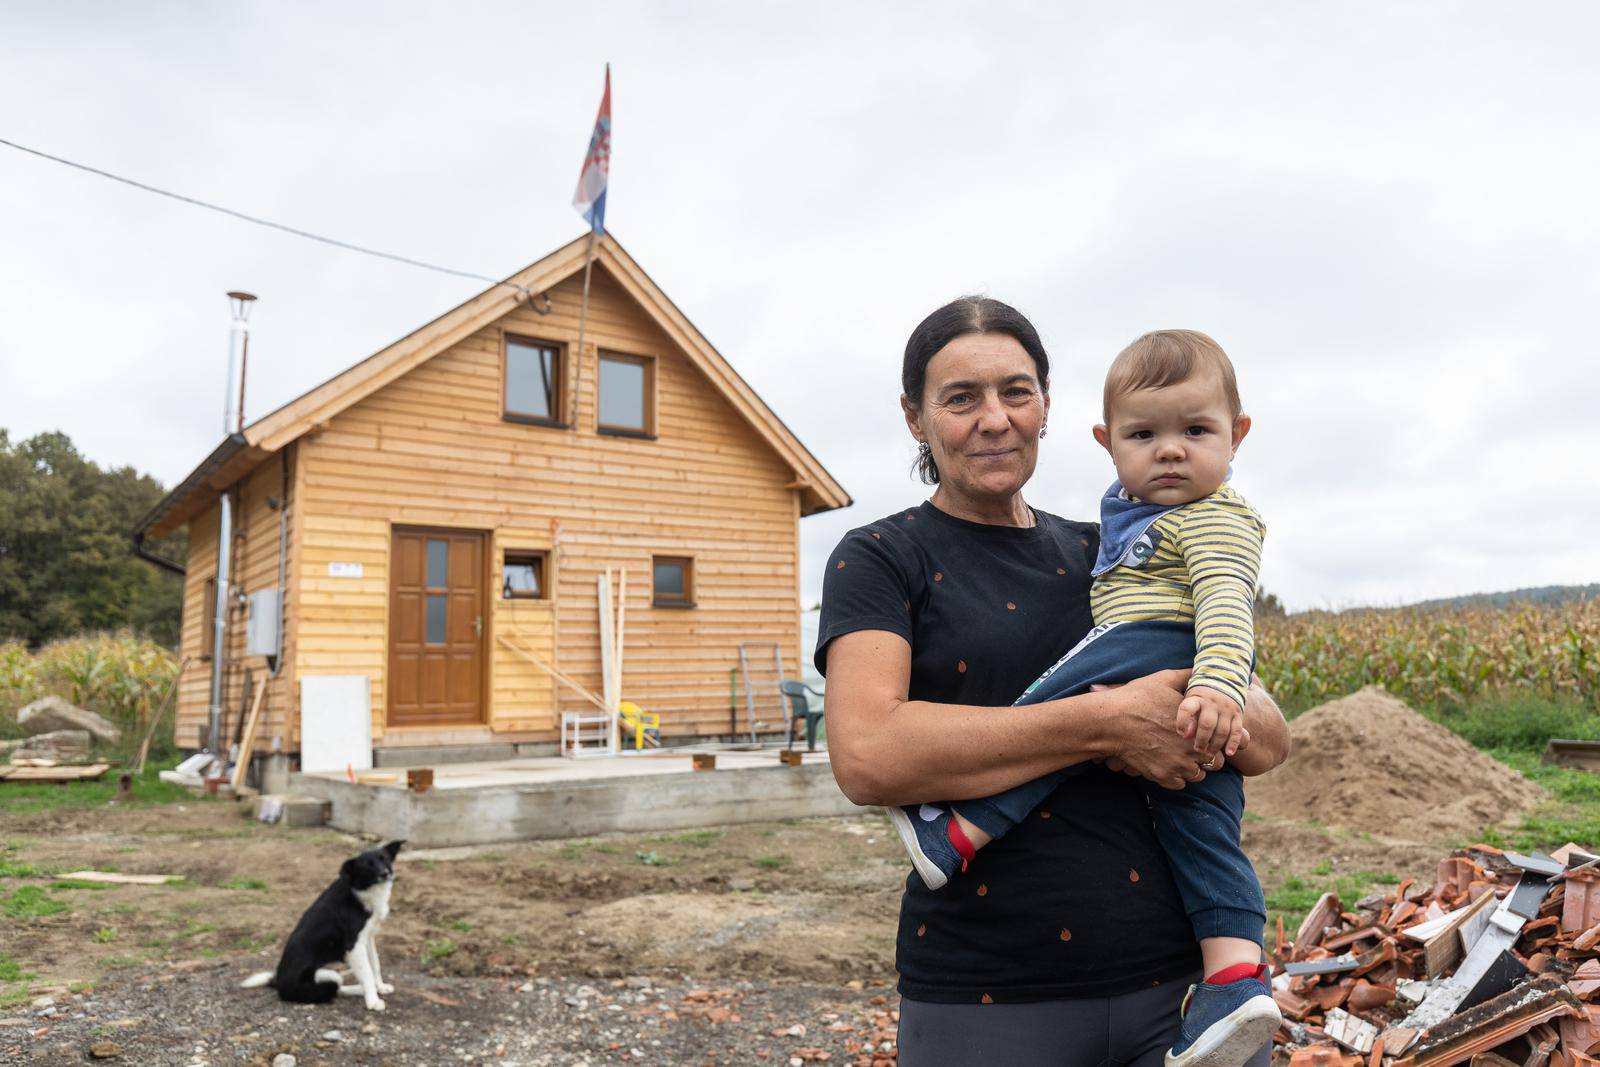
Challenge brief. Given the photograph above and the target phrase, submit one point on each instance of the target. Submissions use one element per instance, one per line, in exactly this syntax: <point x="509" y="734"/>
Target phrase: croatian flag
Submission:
<point x="590" y="199"/>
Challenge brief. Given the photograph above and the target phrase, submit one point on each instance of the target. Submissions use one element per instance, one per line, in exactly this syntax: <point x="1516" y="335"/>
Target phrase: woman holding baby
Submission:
<point x="1078" y="896"/>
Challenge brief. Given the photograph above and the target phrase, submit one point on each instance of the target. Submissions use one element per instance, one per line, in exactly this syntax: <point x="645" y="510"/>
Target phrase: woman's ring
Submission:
<point x="1210" y="764"/>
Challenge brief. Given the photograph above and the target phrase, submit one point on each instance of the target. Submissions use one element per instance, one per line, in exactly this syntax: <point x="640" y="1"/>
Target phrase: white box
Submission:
<point x="335" y="723"/>
<point x="261" y="628"/>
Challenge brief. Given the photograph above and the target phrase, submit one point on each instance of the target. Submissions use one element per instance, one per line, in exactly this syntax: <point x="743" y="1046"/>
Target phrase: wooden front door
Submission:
<point x="437" y="619"/>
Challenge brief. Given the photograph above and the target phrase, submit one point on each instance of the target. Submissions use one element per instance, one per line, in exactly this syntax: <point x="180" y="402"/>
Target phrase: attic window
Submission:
<point x="627" y="394"/>
<point x="522" y="577"/>
<point x="534" y="379"/>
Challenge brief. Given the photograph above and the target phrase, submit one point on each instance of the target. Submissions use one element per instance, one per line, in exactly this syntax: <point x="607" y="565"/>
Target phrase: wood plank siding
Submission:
<point x="254" y="567"/>
<point x="431" y="449"/>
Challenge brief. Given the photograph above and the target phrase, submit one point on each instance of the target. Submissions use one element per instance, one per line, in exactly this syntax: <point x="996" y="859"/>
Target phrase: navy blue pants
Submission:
<point x="1198" y="826"/>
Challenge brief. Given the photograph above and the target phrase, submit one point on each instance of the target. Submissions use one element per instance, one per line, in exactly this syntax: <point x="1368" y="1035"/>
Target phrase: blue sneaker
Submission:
<point x="1224" y="1025"/>
<point x="923" y="831"/>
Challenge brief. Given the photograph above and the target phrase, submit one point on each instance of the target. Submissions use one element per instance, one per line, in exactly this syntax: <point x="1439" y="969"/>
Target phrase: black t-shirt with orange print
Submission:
<point x="1077" y="901"/>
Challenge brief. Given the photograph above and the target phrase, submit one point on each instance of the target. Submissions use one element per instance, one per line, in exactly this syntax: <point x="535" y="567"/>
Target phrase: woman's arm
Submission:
<point x="890" y="750"/>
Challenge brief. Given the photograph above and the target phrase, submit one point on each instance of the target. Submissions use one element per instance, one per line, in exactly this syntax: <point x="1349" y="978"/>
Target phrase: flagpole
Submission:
<point x="583" y="321"/>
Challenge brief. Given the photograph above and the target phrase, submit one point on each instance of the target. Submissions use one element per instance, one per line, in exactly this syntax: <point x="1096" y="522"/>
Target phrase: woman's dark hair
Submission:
<point x="964" y="315"/>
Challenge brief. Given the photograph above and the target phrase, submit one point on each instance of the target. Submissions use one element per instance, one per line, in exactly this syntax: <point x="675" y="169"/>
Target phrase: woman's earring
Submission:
<point x="924" y="450"/>
<point x="1042" y="431"/>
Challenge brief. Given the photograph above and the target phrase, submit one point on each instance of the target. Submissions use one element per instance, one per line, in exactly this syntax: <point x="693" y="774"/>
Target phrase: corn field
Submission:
<point x="120" y="676"/>
<point x="1433" y="657"/>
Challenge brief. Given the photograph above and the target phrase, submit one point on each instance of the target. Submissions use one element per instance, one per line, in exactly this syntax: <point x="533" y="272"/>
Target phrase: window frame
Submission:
<point x="684" y="600"/>
<point x="648" y="362"/>
<point x="208" y="619"/>
<point x="558" y="421"/>
<point x="508" y="556"/>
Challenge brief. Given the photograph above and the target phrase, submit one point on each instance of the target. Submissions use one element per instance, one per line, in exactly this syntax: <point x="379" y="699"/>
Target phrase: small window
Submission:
<point x="208" y="619"/>
<point x="627" y="394"/>
<point x="522" y="577"/>
<point x="673" y="578"/>
<point x="533" y="381"/>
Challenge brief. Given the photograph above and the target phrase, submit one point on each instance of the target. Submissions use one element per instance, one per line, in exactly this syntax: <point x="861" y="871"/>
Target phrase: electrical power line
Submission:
<point x="264" y="222"/>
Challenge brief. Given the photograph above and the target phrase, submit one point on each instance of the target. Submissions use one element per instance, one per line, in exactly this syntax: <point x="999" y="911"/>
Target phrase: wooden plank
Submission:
<point x="248" y="743"/>
<point x="56" y="774"/>
<point x="115" y="878"/>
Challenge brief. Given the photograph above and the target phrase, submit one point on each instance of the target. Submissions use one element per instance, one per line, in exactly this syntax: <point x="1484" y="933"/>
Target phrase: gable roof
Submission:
<point x="240" y="453"/>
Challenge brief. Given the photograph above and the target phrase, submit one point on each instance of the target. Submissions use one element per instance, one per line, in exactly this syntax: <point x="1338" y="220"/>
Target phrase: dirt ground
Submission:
<point x="707" y="946"/>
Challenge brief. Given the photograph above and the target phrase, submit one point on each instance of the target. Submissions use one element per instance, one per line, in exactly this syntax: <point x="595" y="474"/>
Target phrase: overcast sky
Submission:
<point x="1384" y="212"/>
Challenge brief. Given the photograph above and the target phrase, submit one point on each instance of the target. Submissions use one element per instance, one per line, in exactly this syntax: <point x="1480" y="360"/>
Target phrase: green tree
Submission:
<point x="66" y="561"/>
<point x="1267" y="604"/>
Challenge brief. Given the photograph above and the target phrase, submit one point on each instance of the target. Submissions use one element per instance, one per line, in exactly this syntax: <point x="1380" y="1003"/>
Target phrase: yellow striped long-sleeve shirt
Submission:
<point x="1201" y="566"/>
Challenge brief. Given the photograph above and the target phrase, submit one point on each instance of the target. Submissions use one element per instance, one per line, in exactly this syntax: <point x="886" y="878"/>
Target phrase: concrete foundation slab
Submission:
<point x="554" y="797"/>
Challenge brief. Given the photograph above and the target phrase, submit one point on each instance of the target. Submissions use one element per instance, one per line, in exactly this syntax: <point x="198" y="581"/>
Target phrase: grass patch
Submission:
<point x="243" y="883"/>
<point x="1520" y="722"/>
<point x="105" y="935"/>
<point x="148" y="789"/>
<point x="114" y="963"/>
<point x="79" y="883"/>
<point x="653" y="859"/>
<point x="32" y="902"/>
<point x="10" y="869"/>
<point x="697" y="838"/>
<point x="1294" y="896"/>
<point x="774" y="863"/>
<point x="461" y="926"/>
<point x="576" y="850"/>
<point x="13" y="997"/>
<point x="437" y="950"/>
<point x="10" y="969"/>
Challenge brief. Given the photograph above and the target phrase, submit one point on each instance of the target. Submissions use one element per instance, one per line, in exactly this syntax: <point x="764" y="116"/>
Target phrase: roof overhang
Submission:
<point x="228" y="462"/>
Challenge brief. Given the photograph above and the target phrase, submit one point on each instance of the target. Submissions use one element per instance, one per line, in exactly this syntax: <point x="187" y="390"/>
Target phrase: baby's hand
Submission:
<point x="1211" y="721"/>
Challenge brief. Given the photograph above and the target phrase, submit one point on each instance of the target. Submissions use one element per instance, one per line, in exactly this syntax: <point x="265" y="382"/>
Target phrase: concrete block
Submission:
<point x="297" y="809"/>
<point x="274" y="772"/>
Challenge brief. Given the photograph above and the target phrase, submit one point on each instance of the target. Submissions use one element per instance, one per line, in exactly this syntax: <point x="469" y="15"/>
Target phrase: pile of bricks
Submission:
<point x="1495" y="964"/>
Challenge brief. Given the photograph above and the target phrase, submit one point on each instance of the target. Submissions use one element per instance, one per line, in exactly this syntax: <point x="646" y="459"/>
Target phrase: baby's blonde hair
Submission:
<point x="1168" y="357"/>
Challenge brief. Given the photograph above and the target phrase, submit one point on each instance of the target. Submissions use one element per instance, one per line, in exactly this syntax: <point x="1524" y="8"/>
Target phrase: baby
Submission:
<point x="1174" y="587"/>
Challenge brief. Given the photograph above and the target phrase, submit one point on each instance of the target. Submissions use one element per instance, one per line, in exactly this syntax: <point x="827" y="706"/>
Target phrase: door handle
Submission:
<point x="477" y="625"/>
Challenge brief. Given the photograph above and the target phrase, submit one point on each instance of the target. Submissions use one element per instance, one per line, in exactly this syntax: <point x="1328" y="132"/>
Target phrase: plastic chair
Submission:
<point x="800" y="708"/>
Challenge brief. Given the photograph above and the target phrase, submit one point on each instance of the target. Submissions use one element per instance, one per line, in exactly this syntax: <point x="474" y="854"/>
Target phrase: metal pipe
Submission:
<point x="244" y="364"/>
<point x="151" y="557"/>
<point x="238" y="344"/>
<point x="240" y="303"/>
<point x="219" y="626"/>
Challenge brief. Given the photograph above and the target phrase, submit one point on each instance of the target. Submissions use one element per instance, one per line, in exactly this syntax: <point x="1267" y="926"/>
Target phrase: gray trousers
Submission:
<point x="1131" y="1030"/>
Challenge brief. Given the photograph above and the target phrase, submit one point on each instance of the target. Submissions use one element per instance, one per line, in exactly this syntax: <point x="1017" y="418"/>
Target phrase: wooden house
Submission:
<point x="459" y="492"/>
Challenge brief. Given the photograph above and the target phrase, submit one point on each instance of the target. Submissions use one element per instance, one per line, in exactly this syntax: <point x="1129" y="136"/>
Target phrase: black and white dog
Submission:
<point x="341" y="926"/>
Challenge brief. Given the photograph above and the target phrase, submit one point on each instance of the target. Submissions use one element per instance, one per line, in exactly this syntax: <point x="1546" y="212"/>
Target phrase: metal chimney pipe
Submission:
<point x="232" y="422"/>
<point x="238" y="347"/>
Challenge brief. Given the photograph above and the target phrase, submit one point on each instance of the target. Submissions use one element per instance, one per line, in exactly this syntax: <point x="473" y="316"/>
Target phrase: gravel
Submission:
<point x="198" y="1016"/>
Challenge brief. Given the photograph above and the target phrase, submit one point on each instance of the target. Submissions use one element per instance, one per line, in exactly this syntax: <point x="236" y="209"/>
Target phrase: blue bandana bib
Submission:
<point x="1123" y="521"/>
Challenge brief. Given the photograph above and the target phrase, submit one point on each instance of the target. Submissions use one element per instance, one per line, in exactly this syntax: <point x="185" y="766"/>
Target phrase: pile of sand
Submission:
<point x="1369" y="763"/>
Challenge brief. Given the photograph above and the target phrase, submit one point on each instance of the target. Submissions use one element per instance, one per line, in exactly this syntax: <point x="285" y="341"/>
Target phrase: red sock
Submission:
<point x="958" y="838"/>
<point x="1236" y="972"/>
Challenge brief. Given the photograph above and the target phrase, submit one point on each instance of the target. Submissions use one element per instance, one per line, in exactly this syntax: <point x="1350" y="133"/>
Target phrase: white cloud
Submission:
<point x="1382" y="211"/>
